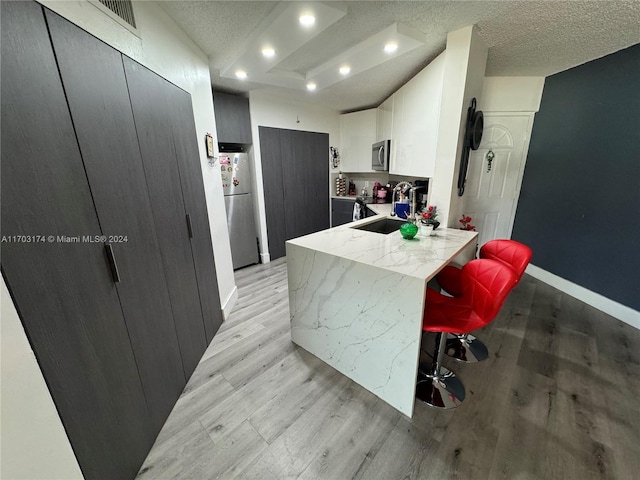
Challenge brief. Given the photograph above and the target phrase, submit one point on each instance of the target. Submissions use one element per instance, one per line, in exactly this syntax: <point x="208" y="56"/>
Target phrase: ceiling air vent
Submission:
<point x="120" y="10"/>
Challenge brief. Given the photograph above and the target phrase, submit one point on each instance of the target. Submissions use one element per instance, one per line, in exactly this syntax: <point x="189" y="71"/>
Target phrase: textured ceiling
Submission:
<point x="536" y="38"/>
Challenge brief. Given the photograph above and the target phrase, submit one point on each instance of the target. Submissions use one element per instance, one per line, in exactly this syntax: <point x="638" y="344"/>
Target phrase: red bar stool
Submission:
<point x="517" y="256"/>
<point x="485" y="285"/>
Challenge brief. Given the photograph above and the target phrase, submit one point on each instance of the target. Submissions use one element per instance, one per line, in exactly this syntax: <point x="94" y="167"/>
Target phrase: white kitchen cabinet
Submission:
<point x="384" y="123"/>
<point x="398" y="158"/>
<point x="416" y="117"/>
<point x="357" y="135"/>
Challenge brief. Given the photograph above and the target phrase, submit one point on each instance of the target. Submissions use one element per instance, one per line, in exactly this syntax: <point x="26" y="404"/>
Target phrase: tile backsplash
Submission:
<point x="363" y="179"/>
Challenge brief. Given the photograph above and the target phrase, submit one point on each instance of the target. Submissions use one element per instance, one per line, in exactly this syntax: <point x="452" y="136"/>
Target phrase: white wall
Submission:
<point x="465" y="62"/>
<point x="164" y="48"/>
<point x="268" y="110"/>
<point x="34" y="443"/>
<point x="511" y="94"/>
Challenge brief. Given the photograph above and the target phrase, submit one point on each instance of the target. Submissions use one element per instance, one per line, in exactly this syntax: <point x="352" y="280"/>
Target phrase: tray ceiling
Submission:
<point x="525" y="38"/>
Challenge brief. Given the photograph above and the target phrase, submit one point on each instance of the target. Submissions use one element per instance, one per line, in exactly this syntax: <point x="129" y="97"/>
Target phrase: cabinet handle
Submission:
<point x="112" y="263"/>
<point x="189" y="227"/>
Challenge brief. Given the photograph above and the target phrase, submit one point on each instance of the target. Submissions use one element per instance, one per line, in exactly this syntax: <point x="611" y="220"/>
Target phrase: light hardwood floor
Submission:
<point x="558" y="399"/>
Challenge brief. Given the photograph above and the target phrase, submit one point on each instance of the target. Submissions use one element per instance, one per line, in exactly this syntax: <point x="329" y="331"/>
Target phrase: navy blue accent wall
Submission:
<point x="579" y="207"/>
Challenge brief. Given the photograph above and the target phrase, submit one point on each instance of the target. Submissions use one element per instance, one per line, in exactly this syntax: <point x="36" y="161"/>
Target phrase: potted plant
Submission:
<point x="429" y="216"/>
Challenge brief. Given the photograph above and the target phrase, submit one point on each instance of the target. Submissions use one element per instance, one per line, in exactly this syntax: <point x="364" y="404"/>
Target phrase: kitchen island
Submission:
<point x="356" y="301"/>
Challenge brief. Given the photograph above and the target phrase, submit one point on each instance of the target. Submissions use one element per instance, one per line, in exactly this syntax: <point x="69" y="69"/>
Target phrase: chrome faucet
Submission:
<point x="414" y="201"/>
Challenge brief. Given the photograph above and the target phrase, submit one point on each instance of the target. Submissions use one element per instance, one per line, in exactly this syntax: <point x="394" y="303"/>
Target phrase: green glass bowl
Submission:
<point x="408" y="230"/>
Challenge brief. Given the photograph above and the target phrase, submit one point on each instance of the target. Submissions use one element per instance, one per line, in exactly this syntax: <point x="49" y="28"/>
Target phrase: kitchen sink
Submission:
<point x="384" y="226"/>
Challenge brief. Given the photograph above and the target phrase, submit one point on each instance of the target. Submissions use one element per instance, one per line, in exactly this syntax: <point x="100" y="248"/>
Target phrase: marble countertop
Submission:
<point x="422" y="257"/>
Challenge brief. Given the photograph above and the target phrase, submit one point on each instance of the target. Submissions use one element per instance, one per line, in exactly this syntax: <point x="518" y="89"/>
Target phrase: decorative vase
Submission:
<point x="426" y="229"/>
<point x="431" y="226"/>
<point x="408" y="230"/>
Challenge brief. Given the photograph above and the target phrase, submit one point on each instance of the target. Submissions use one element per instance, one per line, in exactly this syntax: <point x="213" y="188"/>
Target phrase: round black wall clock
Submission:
<point x="472" y="139"/>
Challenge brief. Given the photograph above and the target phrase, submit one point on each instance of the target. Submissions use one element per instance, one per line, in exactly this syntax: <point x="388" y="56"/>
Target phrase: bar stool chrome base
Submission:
<point x="445" y="391"/>
<point x="437" y="386"/>
<point x="466" y="348"/>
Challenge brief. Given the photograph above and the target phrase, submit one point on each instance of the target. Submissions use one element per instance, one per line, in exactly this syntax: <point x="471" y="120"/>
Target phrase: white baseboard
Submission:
<point x="604" y="304"/>
<point x="265" y="258"/>
<point x="230" y="303"/>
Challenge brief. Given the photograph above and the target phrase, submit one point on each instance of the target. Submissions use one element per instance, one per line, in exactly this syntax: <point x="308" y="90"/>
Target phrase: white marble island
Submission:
<point x="356" y="301"/>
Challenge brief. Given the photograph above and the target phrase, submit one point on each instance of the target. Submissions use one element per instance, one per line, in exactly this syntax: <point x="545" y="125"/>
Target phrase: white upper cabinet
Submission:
<point x="357" y="135"/>
<point x="410" y="118"/>
<point x="416" y="117"/>
<point x="384" y="124"/>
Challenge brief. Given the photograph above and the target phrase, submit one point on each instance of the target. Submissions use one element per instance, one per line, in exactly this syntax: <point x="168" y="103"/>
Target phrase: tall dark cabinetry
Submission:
<point x="149" y="102"/>
<point x="296" y="184"/>
<point x="96" y="90"/>
<point x="64" y="291"/>
<point x="89" y="149"/>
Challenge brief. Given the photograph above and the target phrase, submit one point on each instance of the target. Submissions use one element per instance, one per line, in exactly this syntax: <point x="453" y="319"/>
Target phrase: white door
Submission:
<point x="493" y="186"/>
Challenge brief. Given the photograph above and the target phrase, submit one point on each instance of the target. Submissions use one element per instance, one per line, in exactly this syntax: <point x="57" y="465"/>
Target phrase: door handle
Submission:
<point x="112" y="263"/>
<point x="189" y="226"/>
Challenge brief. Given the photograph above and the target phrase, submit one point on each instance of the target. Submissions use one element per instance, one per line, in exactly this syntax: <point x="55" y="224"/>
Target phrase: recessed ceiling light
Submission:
<point x="391" y="47"/>
<point x="241" y="74"/>
<point x="307" y="20"/>
<point x="344" y="70"/>
<point x="268" y="52"/>
<point x="311" y="86"/>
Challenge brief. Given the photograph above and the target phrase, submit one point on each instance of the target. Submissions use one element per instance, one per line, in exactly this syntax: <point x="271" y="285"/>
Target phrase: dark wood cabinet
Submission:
<point x="186" y="147"/>
<point x="96" y="88"/>
<point x="341" y="211"/>
<point x="274" y="195"/>
<point x="233" y="120"/>
<point x="296" y="184"/>
<point x="150" y="103"/>
<point x="62" y="286"/>
<point x="91" y="149"/>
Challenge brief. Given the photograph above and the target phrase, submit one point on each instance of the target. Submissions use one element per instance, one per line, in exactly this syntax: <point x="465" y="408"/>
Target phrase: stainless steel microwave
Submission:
<point x="380" y="155"/>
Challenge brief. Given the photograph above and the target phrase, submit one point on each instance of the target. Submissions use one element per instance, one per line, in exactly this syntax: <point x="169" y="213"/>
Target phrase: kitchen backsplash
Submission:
<point x="368" y="179"/>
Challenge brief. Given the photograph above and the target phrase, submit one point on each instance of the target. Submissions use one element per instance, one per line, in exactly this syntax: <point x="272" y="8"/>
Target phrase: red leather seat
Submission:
<point x="485" y="286"/>
<point x="517" y="256"/>
<point x="512" y="253"/>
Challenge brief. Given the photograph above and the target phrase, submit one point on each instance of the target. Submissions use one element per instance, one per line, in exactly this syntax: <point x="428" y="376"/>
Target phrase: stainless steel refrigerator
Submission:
<point x="238" y="201"/>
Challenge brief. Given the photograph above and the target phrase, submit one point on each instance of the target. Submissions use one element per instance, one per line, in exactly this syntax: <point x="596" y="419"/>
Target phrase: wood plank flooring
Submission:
<point x="558" y="399"/>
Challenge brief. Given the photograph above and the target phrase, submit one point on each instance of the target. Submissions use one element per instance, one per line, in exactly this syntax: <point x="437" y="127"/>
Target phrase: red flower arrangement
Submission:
<point x="466" y="223"/>
<point x="430" y="214"/>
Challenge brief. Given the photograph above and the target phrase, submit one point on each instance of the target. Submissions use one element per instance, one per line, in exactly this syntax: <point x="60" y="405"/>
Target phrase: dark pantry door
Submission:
<point x="305" y="168"/>
<point x="93" y="76"/>
<point x="64" y="292"/>
<point x="296" y="184"/>
<point x="152" y="113"/>
<point x="185" y="142"/>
